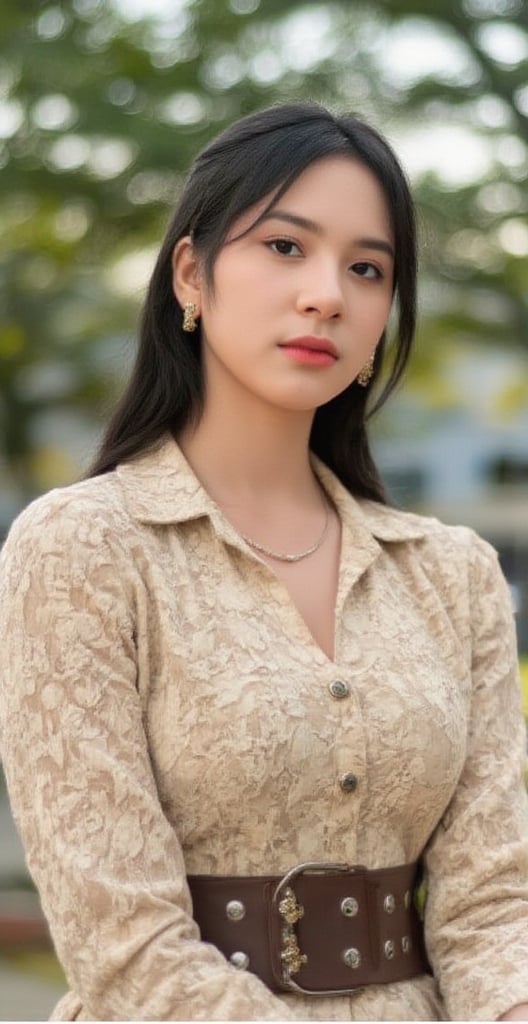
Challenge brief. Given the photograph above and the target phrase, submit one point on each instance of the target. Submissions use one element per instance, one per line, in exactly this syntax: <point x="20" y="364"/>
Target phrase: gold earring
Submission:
<point x="189" y="317"/>
<point x="364" y="376"/>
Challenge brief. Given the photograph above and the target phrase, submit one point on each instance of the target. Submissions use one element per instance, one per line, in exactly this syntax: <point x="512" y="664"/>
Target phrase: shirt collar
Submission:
<point x="160" y="487"/>
<point x="382" y="521"/>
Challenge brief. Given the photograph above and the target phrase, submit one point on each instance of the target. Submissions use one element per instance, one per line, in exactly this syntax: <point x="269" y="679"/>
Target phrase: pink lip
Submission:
<point x="313" y="344"/>
<point x="311" y="350"/>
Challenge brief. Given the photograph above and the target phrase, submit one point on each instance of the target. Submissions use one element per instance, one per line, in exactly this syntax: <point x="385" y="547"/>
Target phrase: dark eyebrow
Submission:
<point x="376" y="243"/>
<point x="310" y="225"/>
<point x="292" y="218"/>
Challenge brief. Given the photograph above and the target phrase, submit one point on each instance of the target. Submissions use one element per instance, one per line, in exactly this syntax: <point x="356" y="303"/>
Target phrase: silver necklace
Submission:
<point x="282" y="556"/>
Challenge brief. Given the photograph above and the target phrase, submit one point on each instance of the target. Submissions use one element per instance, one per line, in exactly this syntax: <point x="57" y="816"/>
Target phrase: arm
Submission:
<point x="104" y="857"/>
<point x="477" y="861"/>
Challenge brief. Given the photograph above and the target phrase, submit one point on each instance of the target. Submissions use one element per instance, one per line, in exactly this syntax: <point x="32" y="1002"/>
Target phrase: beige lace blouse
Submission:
<point x="164" y="708"/>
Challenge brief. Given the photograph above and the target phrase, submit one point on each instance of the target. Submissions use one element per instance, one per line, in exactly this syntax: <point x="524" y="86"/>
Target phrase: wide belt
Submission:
<point x="320" y="929"/>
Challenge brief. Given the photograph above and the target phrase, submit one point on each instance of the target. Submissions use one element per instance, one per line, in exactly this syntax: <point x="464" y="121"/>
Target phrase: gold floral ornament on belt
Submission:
<point x="291" y="911"/>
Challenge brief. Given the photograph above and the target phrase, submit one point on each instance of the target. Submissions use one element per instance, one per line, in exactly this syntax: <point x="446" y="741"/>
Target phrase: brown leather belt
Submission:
<point x="319" y="929"/>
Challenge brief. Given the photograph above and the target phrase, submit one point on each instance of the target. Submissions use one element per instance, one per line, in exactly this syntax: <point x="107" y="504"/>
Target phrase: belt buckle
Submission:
<point x="291" y="911"/>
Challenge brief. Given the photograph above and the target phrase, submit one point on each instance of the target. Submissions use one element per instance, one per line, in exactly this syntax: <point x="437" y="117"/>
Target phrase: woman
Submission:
<point x="225" y="655"/>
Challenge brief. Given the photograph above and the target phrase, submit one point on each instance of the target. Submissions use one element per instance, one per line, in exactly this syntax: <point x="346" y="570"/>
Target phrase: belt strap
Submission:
<point x="319" y="929"/>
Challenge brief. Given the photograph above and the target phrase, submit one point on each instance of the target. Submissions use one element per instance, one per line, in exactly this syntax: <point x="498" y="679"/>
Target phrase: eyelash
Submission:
<point x="370" y="266"/>
<point x="283" y="241"/>
<point x="289" y="241"/>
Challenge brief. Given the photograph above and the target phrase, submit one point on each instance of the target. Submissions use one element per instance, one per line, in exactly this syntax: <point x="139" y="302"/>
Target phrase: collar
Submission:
<point x="159" y="487"/>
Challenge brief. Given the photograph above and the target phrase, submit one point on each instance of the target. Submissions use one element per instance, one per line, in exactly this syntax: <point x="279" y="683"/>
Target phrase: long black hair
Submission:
<point x="261" y="155"/>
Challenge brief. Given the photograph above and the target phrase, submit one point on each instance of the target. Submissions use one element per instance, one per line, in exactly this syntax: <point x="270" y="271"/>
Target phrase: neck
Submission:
<point x="251" y="454"/>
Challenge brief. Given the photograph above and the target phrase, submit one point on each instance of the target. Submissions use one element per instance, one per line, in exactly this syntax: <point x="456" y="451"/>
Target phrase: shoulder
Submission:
<point x="393" y="524"/>
<point x="449" y="563"/>
<point x="90" y="513"/>
<point x="444" y="550"/>
<point x="66" y="547"/>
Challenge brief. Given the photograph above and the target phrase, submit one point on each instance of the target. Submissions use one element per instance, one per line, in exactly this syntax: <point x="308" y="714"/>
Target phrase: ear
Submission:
<point x="186" y="276"/>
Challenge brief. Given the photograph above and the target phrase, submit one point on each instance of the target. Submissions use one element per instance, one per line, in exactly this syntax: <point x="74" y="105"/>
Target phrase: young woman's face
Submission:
<point x="301" y="300"/>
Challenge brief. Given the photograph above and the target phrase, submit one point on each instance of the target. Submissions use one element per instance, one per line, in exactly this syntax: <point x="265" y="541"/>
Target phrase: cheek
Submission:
<point x="370" y="317"/>
<point x="232" y="297"/>
<point x="240" y="301"/>
<point x="383" y="306"/>
<point x="247" y="278"/>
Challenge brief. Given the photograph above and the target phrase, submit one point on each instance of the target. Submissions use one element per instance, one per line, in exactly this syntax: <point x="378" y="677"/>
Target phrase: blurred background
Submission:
<point x="103" y="104"/>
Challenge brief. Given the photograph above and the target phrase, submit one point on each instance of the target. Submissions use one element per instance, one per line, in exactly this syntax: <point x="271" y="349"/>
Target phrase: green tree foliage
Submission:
<point x="101" y="112"/>
<point x="475" y="233"/>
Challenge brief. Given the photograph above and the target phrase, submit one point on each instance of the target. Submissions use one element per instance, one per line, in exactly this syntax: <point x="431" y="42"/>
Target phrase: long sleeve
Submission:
<point x="477" y="861"/>
<point x="106" y="860"/>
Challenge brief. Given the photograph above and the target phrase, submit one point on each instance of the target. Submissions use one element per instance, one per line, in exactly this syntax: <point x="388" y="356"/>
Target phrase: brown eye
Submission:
<point x="284" y="247"/>
<point x="367" y="270"/>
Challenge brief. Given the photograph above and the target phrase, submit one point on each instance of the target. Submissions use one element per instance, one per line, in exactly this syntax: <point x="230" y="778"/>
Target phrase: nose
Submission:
<point x="321" y="295"/>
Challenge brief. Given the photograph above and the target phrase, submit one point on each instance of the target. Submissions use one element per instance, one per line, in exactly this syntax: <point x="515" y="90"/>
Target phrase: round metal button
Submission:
<point x="352" y="957"/>
<point x="406" y="944"/>
<point x="407" y="899"/>
<point x="389" y="949"/>
<point x="339" y="689"/>
<point x="349" y="782"/>
<point x="240" y="961"/>
<point x="389" y="903"/>
<point x="235" y="910"/>
<point x="349" y="906"/>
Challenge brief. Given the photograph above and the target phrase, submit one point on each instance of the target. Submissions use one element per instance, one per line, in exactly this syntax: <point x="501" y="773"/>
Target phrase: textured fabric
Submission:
<point x="164" y="708"/>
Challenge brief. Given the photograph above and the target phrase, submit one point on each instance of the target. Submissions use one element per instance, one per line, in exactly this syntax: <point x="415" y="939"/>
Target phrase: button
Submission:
<point x="407" y="899"/>
<point x="349" y="782"/>
<point x="352" y="957"/>
<point x="349" y="906"/>
<point x="240" y="961"/>
<point x="389" y="949"/>
<point x="406" y="944"/>
<point x="235" y="910"/>
<point x="389" y="903"/>
<point x="339" y="689"/>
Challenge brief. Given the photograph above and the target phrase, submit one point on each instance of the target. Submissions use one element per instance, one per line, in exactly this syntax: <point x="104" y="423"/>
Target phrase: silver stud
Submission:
<point x="389" y="903"/>
<point x="352" y="957"/>
<point x="388" y="949"/>
<point x="240" y="961"/>
<point x="406" y="944"/>
<point x="407" y="899"/>
<point x="339" y="689"/>
<point x="348" y="782"/>
<point x="349" y="906"/>
<point x="235" y="910"/>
